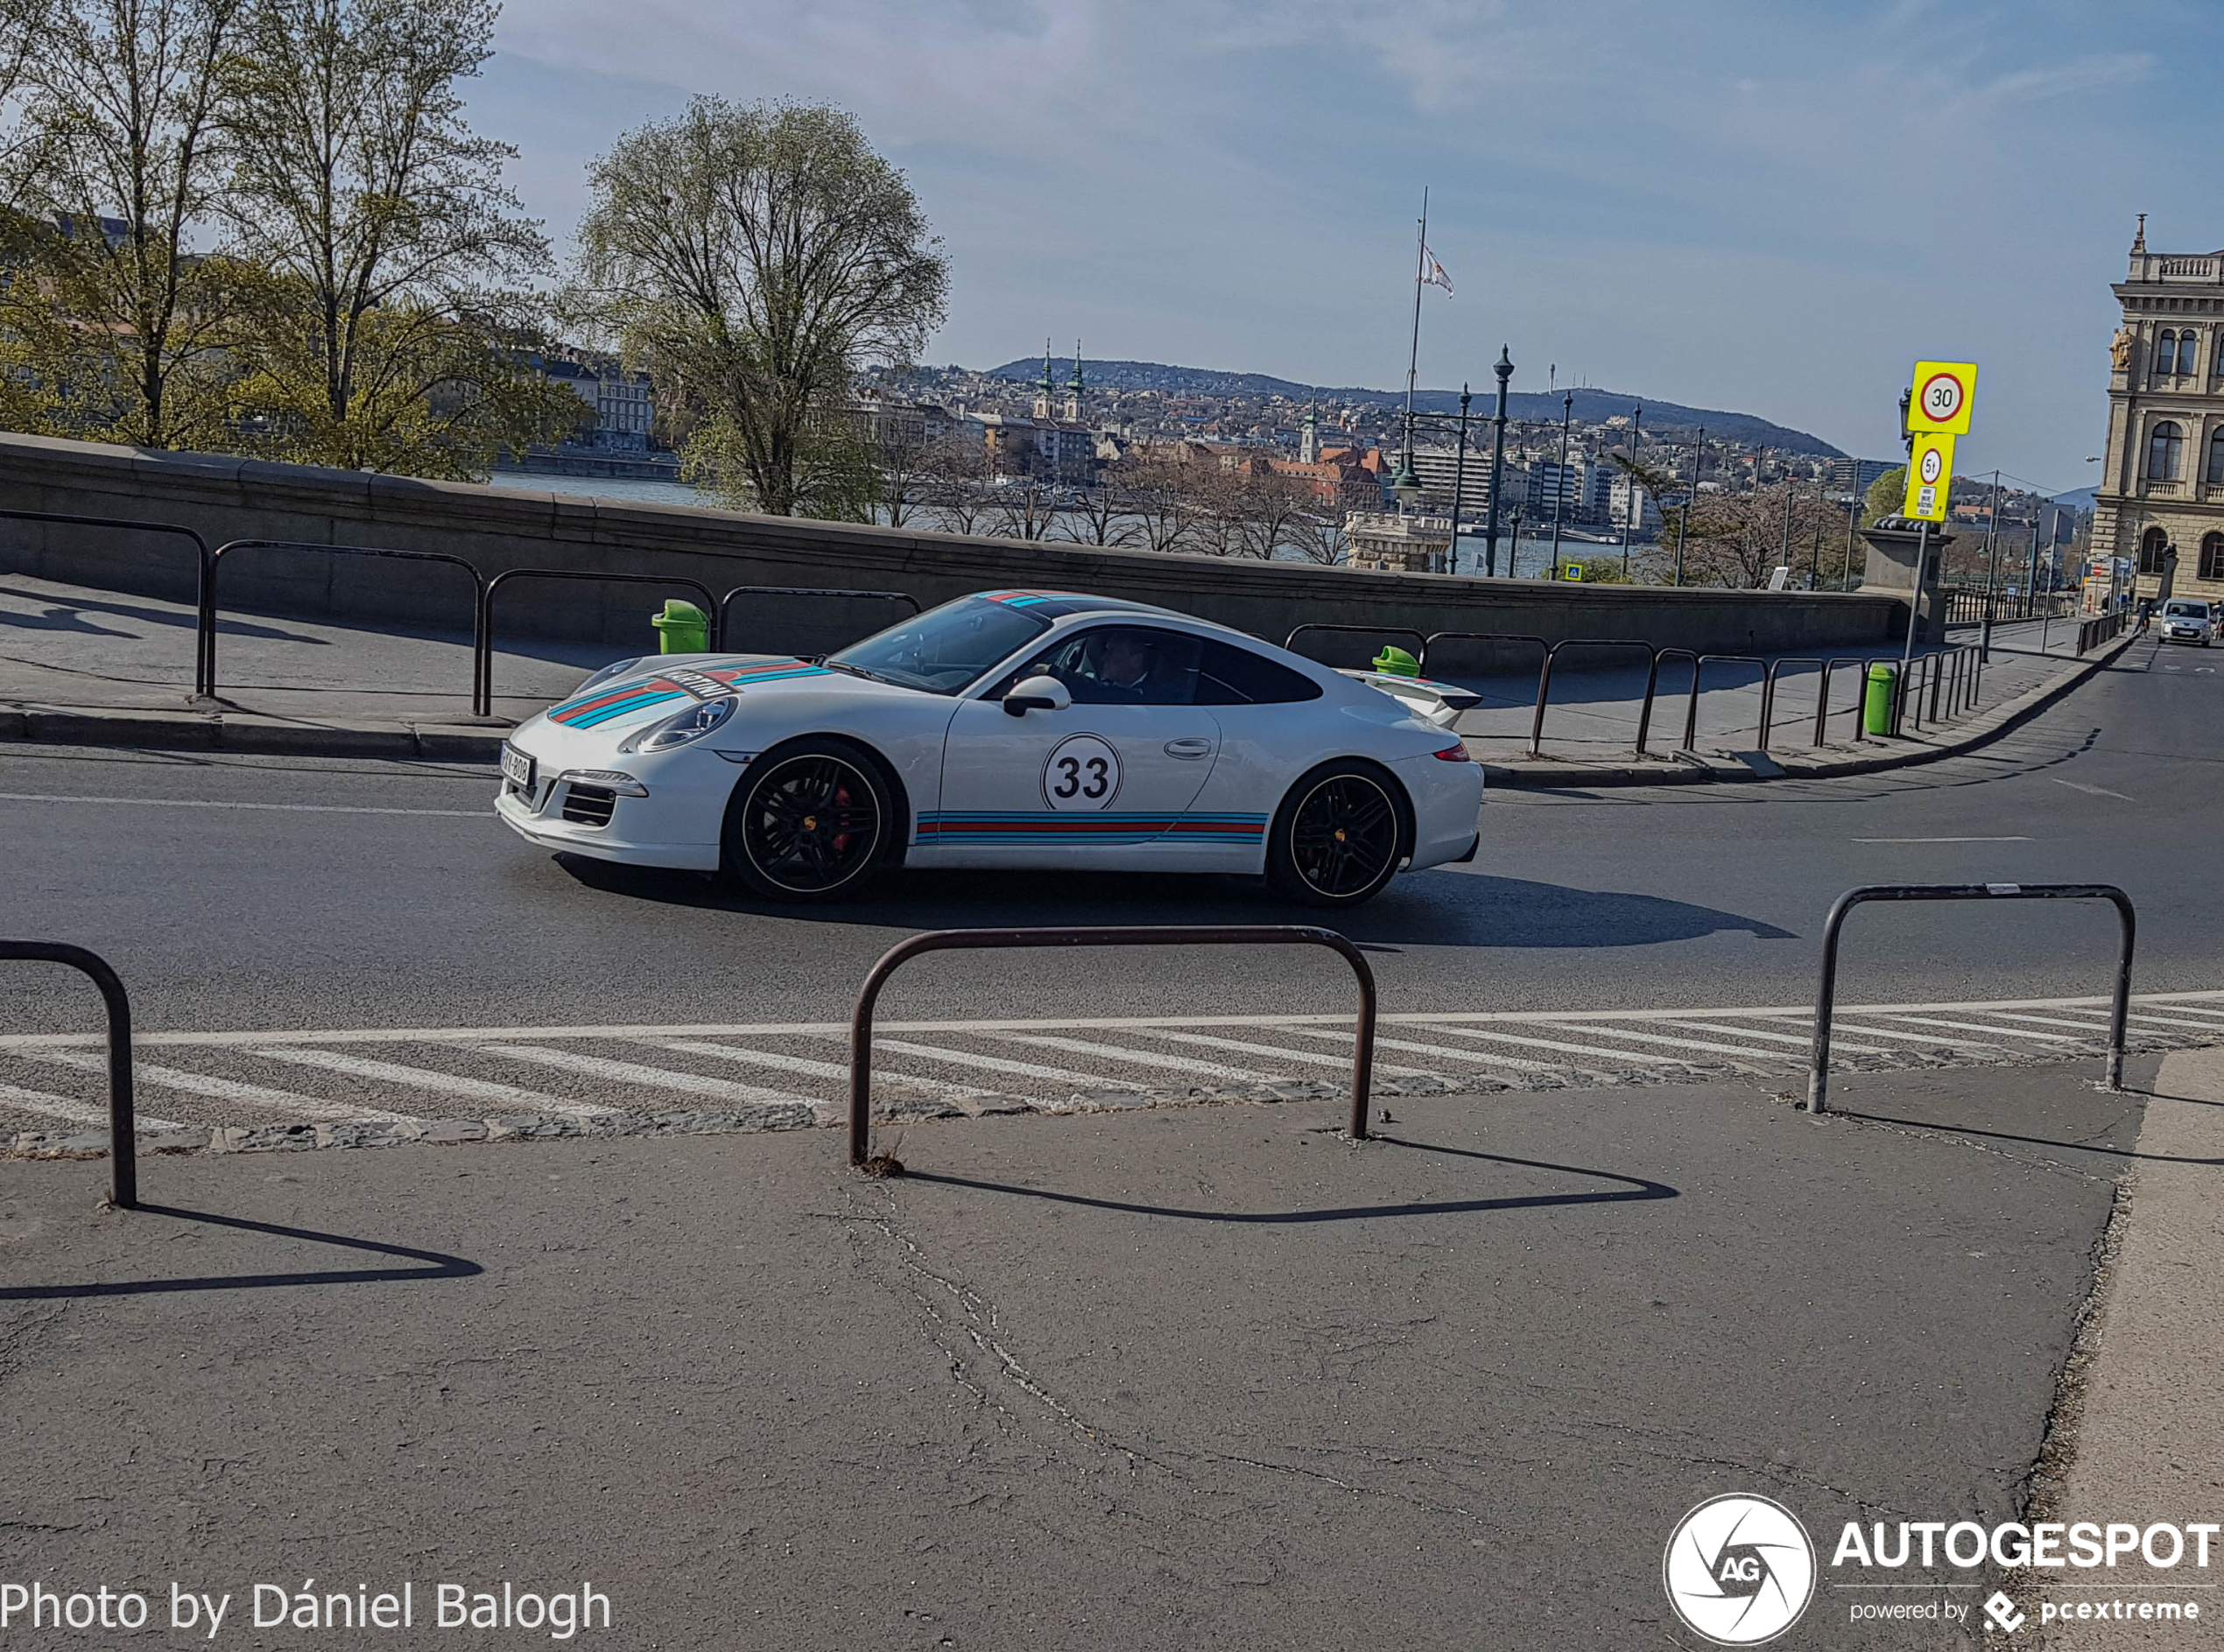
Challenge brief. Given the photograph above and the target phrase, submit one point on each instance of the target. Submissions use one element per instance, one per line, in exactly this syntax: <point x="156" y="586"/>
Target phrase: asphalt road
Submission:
<point x="269" y="893"/>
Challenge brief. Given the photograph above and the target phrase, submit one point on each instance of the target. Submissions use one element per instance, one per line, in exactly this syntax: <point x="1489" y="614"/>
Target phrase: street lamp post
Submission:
<point x="1459" y="483"/>
<point x="1560" y="484"/>
<point x="1504" y="367"/>
<point x="1634" y="509"/>
<point x="1683" y="523"/>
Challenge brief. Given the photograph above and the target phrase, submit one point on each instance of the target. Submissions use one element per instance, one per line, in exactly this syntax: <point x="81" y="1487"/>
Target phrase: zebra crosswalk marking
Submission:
<point x="440" y="1083"/>
<point x="201" y="1084"/>
<point x="326" y="1075"/>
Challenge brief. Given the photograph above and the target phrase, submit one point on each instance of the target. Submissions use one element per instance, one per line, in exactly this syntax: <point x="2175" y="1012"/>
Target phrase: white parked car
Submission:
<point x="1015" y="728"/>
<point x="2189" y="620"/>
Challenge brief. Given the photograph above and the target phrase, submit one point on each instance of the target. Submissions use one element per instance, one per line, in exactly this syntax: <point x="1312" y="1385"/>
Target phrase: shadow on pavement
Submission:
<point x="1455" y="909"/>
<point x="53" y="619"/>
<point x="438" y="1266"/>
<point x="1633" y="1188"/>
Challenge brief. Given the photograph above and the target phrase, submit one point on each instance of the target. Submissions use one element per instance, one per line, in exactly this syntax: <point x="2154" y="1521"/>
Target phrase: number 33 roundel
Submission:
<point x="1083" y="773"/>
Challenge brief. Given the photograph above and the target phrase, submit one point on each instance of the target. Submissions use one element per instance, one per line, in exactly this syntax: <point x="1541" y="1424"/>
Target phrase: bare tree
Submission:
<point x="1026" y="507"/>
<point x="1104" y="514"/>
<point x="755" y="259"/>
<point x="1270" y="507"/>
<point x="958" y="489"/>
<point x="1165" y="496"/>
<point x="1318" y="535"/>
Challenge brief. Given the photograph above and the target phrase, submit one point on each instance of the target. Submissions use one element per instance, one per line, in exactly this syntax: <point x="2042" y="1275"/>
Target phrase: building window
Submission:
<point x="2188" y="354"/>
<point x="2152" y="544"/>
<point x="2216" y="454"/>
<point x="2166" y="353"/>
<point x="2164" y="449"/>
<point x="2213" y="556"/>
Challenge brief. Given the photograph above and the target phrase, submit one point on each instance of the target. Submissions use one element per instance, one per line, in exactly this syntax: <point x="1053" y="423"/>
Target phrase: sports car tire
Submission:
<point x="1338" y="836"/>
<point x="808" y="822"/>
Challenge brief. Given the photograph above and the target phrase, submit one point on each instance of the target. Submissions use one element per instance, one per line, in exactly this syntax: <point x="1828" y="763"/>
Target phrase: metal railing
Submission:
<point x="123" y="1120"/>
<point x="482" y="644"/>
<point x="1544" y="682"/>
<point x="1825" y="993"/>
<point x="1428" y="647"/>
<point x="1421" y="651"/>
<point x="203" y="656"/>
<point x="2100" y="629"/>
<point x="1698" y="671"/>
<point x="941" y="941"/>
<point x="205" y="620"/>
<point x="726" y="602"/>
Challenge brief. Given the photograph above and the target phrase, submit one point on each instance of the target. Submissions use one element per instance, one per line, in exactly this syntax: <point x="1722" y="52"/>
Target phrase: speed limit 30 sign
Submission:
<point x="1943" y="392"/>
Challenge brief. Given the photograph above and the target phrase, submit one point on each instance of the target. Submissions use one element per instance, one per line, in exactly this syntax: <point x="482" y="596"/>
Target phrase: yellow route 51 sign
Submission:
<point x="1942" y="394"/>
<point x="1930" y="474"/>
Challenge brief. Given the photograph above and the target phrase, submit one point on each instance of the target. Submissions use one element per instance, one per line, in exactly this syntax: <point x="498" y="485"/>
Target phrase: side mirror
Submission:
<point x="1037" y="693"/>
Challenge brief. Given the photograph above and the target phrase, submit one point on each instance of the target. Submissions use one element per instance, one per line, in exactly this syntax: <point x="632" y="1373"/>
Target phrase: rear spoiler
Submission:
<point x="1433" y="702"/>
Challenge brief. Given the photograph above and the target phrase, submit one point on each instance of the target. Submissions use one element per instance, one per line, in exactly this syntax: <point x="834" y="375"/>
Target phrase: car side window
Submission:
<point x="1232" y="676"/>
<point x="1119" y="666"/>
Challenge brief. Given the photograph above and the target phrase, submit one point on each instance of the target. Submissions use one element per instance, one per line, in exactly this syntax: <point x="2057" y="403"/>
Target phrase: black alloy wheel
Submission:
<point x="808" y="823"/>
<point x="1337" y="838"/>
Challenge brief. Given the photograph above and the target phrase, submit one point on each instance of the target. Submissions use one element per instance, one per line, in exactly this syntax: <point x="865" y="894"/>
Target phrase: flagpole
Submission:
<point x="1413" y="362"/>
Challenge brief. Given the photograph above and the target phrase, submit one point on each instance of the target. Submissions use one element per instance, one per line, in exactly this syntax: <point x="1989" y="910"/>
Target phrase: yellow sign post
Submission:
<point x="1930" y="474"/>
<point x="1943" y="393"/>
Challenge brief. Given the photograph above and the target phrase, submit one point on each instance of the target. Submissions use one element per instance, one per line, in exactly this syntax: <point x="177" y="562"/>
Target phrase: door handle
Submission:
<point x="1189" y="747"/>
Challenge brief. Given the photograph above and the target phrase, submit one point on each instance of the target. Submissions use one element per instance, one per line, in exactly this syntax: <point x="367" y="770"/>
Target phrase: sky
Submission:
<point x="1773" y="208"/>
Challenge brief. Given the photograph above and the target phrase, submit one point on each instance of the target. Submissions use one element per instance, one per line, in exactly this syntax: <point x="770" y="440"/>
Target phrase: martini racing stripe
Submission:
<point x="643" y="693"/>
<point x="962" y="826"/>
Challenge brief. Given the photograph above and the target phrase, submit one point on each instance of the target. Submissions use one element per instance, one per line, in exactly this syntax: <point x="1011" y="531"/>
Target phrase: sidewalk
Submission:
<point x="80" y="666"/>
<point x="1210" y="1376"/>
<point x="85" y="667"/>
<point x="1591" y="721"/>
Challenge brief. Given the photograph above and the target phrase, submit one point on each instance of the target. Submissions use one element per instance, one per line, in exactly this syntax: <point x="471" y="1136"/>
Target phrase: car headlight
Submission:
<point x="682" y="727"/>
<point x="617" y="669"/>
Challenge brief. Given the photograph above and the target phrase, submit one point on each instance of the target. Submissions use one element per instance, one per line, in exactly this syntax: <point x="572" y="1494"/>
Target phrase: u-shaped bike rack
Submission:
<point x="1818" y="1059"/>
<point x="122" y="1119"/>
<point x="944" y="940"/>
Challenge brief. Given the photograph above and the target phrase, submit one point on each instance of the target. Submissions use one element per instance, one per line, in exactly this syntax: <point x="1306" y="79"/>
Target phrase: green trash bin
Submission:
<point x="681" y="628"/>
<point x="1876" y="703"/>
<point x="1396" y="662"/>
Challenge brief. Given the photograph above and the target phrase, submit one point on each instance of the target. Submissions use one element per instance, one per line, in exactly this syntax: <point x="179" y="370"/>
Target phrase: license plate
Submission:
<point x="517" y="769"/>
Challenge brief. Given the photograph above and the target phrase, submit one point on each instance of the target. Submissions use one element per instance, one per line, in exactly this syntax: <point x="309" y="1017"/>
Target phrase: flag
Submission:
<point x="1433" y="273"/>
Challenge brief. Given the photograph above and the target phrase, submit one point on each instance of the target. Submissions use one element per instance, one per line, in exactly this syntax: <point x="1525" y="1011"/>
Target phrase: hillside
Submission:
<point x="1590" y="405"/>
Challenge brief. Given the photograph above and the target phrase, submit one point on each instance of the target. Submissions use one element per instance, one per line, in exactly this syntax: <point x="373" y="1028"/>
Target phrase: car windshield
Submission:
<point x="943" y="650"/>
<point x="2187" y="611"/>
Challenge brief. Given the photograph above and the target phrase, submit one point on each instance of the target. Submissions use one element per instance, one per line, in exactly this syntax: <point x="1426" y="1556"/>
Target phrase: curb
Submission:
<point x="1691" y="768"/>
<point x="205" y="731"/>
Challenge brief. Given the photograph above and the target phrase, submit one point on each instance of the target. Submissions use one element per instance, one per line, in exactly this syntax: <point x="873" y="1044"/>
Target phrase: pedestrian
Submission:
<point x="2146" y="612"/>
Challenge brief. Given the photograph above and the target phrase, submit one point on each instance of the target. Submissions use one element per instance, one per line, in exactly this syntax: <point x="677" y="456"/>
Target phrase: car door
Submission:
<point x="1094" y="783"/>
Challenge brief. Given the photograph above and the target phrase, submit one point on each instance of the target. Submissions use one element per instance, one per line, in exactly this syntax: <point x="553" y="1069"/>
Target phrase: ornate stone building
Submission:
<point x="2163" y="485"/>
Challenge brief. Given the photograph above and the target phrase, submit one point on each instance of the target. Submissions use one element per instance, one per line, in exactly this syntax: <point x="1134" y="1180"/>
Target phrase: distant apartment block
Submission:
<point x="622" y="406"/>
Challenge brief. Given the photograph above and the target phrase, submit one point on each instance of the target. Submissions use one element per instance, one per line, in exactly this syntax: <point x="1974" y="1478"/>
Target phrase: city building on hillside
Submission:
<point x="1044" y="450"/>
<point x="2161" y="483"/>
<point x="1629" y="506"/>
<point x="1585" y="489"/>
<point x="1442" y="474"/>
<point x="1854" y="475"/>
<point x="1391" y="542"/>
<point x="623" y="409"/>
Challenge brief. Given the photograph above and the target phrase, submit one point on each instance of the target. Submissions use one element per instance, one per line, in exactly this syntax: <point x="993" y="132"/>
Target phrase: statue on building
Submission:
<point x="2121" y="347"/>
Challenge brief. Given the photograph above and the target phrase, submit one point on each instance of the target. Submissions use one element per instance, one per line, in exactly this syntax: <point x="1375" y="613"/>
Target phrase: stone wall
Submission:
<point x="496" y="529"/>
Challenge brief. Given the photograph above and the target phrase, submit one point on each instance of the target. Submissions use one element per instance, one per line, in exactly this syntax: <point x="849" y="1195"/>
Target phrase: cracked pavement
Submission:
<point x="1196" y="1378"/>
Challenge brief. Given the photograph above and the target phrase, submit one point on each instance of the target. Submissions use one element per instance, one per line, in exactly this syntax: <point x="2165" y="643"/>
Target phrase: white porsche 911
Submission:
<point x="1015" y="728"/>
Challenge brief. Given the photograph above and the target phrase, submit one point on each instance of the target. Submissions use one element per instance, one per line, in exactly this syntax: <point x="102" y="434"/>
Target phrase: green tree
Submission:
<point x="114" y="326"/>
<point x="752" y="261"/>
<point x="1885" y="496"/>
<point x="392" y="334"/>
